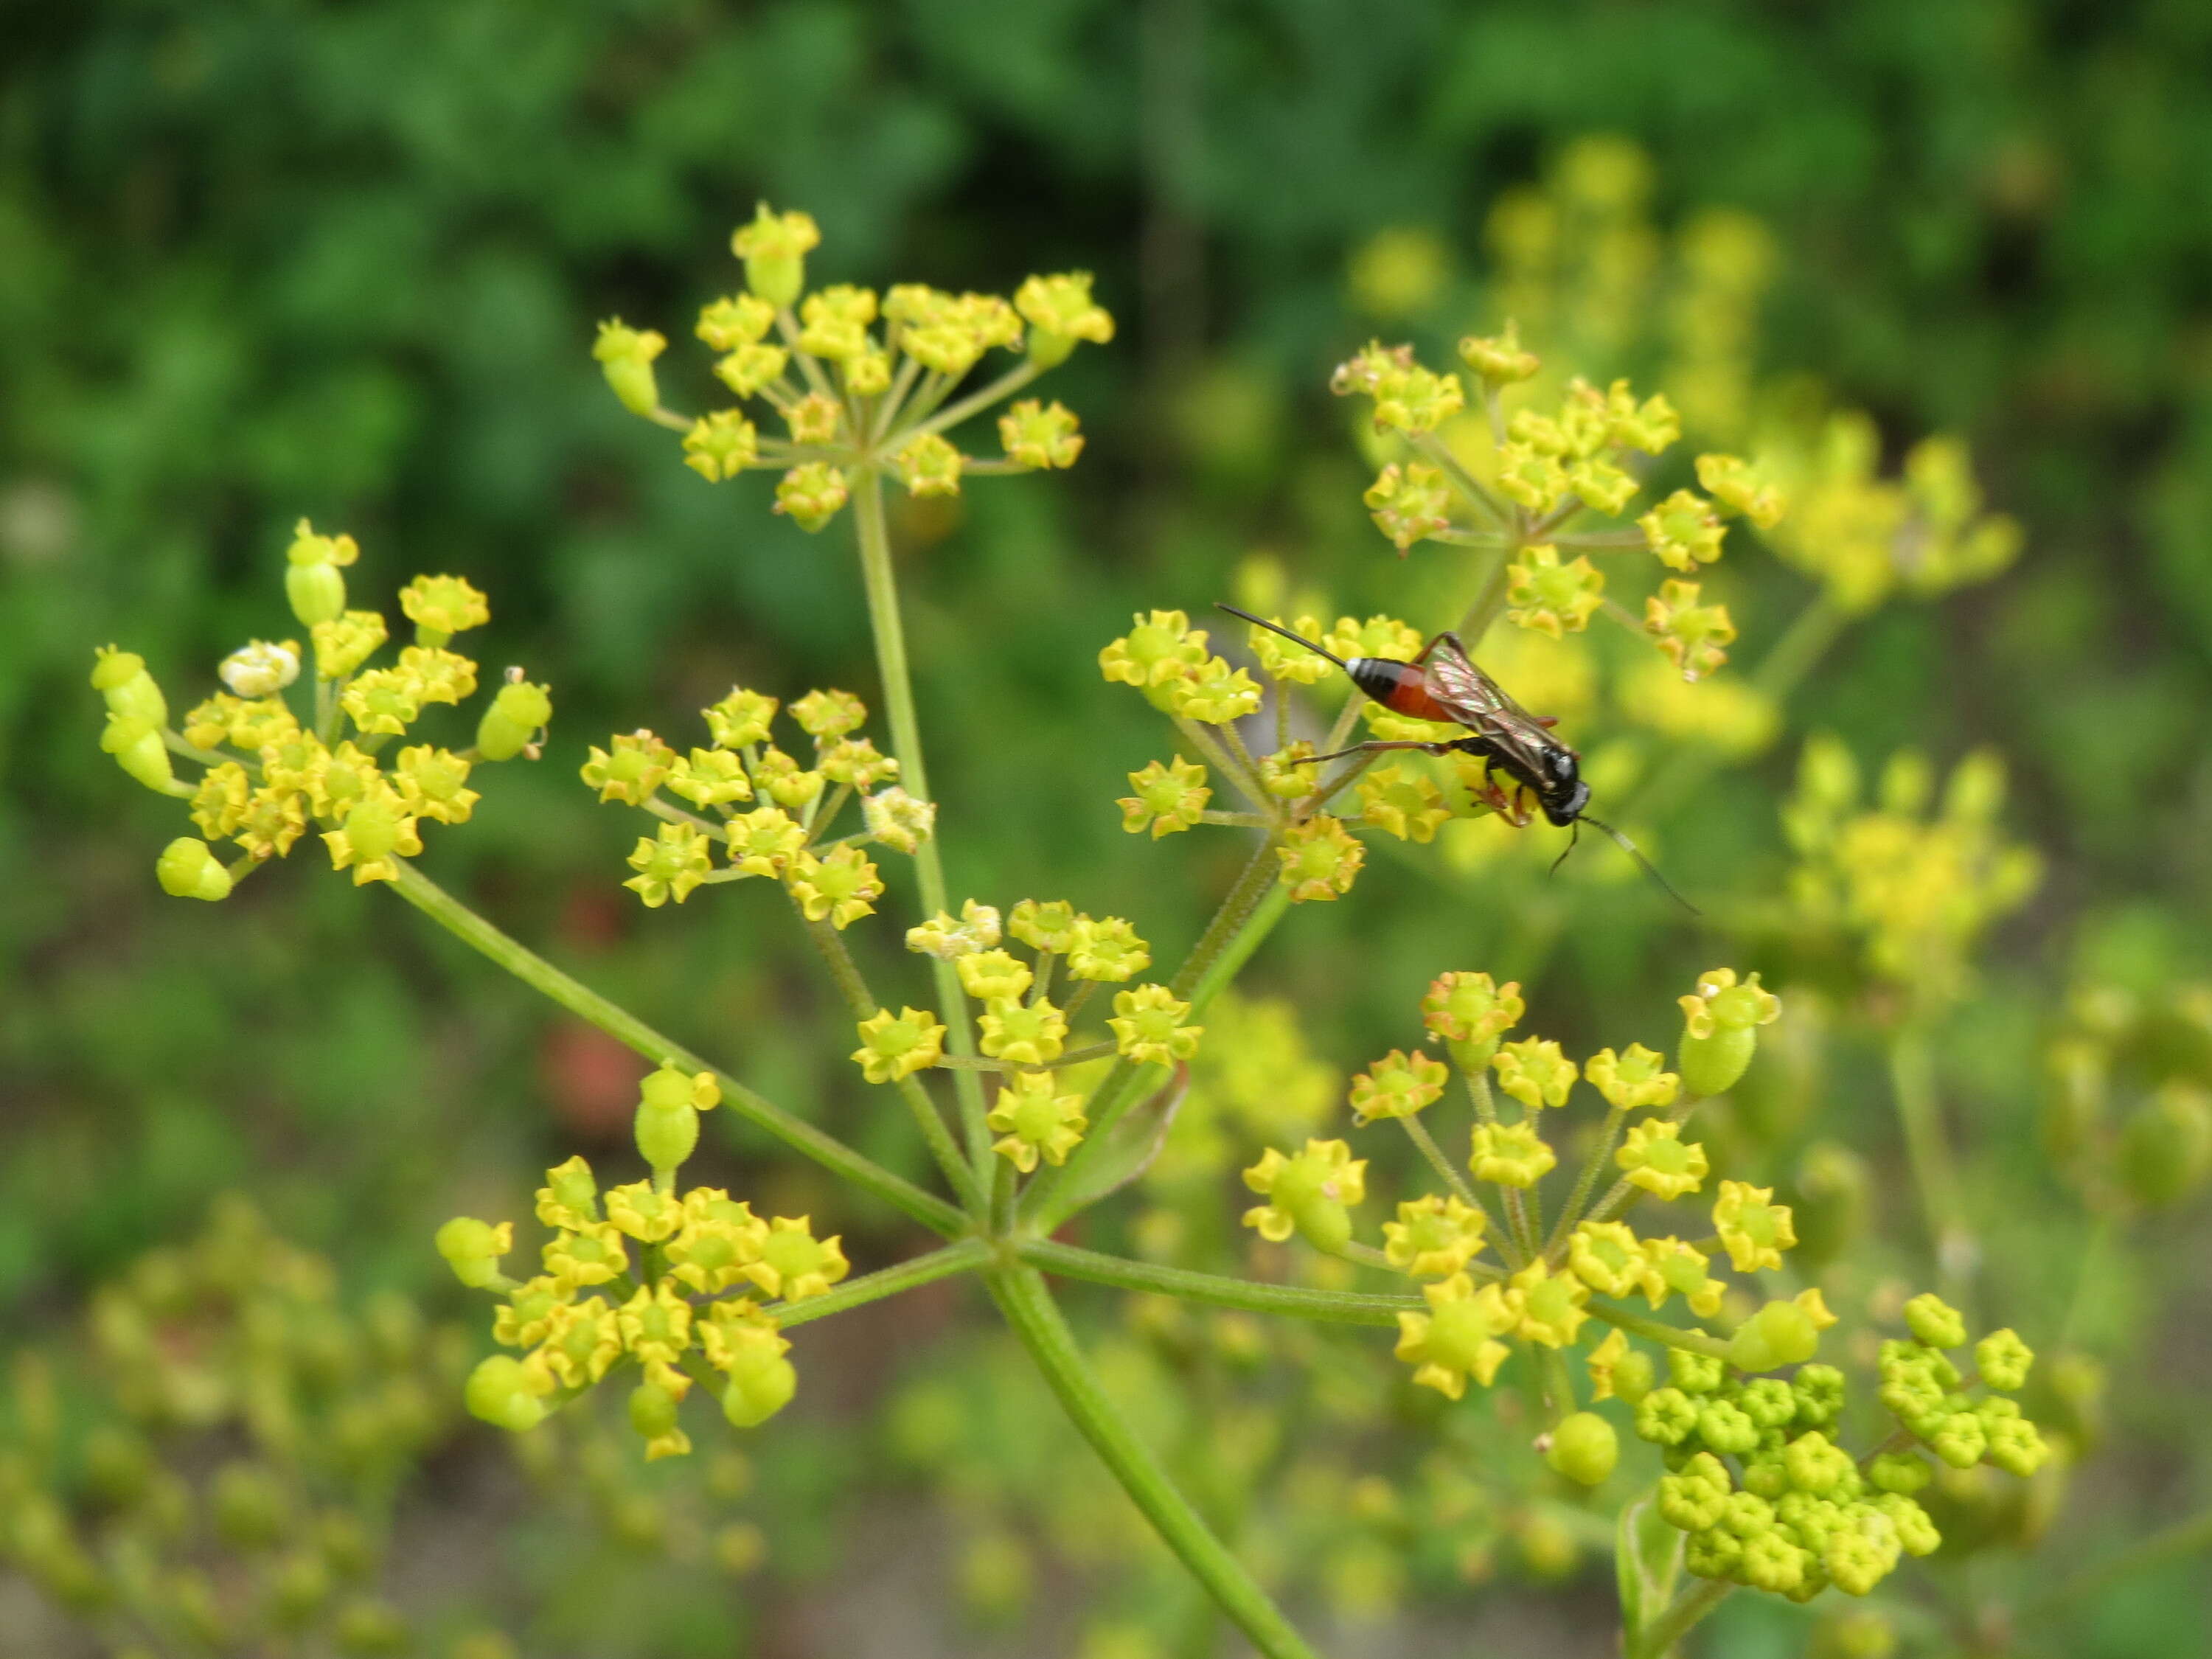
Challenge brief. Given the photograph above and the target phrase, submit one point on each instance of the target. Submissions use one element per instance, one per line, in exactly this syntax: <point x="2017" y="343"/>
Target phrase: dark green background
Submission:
<point x="263" y="260"/>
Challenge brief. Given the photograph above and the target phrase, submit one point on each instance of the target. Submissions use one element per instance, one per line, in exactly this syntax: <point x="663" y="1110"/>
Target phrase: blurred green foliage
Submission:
<point x="260" y="259"/>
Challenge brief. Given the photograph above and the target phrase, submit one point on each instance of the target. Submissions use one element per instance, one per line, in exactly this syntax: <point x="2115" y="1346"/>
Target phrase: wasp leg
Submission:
<point x="1378" y="746"/>
<point x="1435" y="640"/>
<point x="1523" y="811"/>
<point x="1547" y="721"/>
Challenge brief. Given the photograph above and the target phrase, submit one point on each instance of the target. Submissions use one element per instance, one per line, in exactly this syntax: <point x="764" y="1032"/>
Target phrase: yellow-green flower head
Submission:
<point x="505" y="1393"/>
<point x="525" y="1318"/>
<point x="1656" y="1157"/>
<point x="1532" y="477"/>
<point x="377" y="832"/>
<point x="745" y="1347"/>
<point x="670" y="864"/>
<point x="1694" y="636"/>
<point x="1457" y="1338"/>
<point x="1752" y="1227"/>
<point x="1047" y="926"/>
<point x="313" y="583"/>
<point x="1213" y="693"/>
<point x="897" y="819"/>
<point x="1023" y="1033"/>
<point x="948" y="941"/>
<point x="643" y="1212"/>
<point x="1413" y="400"/>
<point x="656" y="1324"/>
<point x="1161" y="647"/>
<point x="1379" y="637"/>
<point x="309" y="548"/>
<point x="1310" y="1193"/>
<point x="868" y="371"/>
<point x="1285" y="660"/>
<point x="893" y="1046"/>
<point x="812" y="419"/>
<point x="946" y="334"/>
<point x="1735" y="483"/>
<point x="840" y="888"/>
<point x="1683" y="530"/>
<point x="128" y="690"/>
<point x="1780" y="1334"/>
<point x="517" y="714"/>
<point x="2003" y="1360"/>
<point x="1169" y="797"/>
<point x="928" y="464"/>
<point x="472" y="1249"/>
<point x="1409" y="503"/>
<point x="1550" y="598"/>
<point x="855" y="761"/>
<point x="1679" y="1269"/>
<point x="750" y="368"/>
<point x="1397" y="1086"/>
<point x="1319" y="859"/>
<point x="1535" y="1072"/>
<point x="341" y="780"/>
<point x="834" y="323"/>
<point x="1637" y="1077"/>
<point x="1510" y="1154"/>
<point x="1106" y="948"/>
<point x="993" y="975"/>
<point x="1551" y="1305"/>
<point x="1036" y="435"/>
<point x="593" y="1254"/>
<point x="383" y="700"/>
<point x="343" y="643"/>
<point x="433" y="782"/>
<point x="219" y="803"/>
<point x="719" y="1239"/>
<point x="1618" y="1371"/>
<point x="709" y="777"/>
<point x="1402" y="803"/>
<point x="1288" y="773"/>
<point x="1433" y="1237"/>
<point x="625" y="355"/>
<point x="1720" y="1029"/>
<point x="1033" y="1123"/>
<point x="1601" y="484"/>
<point x="1060" y="310"/>
<point x="811" y="493"/>
<point x="671" y="1088"/>
<point x="1651" y="426"/>
<point x="721" y="445"/>
<point x="630" y="769"/>
<point x="787" y="783"/>
<point x="763" y="841"/>
<point x="1935" y="1322"/>
<point x="1499" y="358"/>
<point x="584" y="1339"/>
<point x="739" y="719"/>
<point x="794" y="1264"/>
<point x="444" y="606"/>
<point x="1471" y="1008"/>
<point x="1148" y="1026"/>
<point x="570" y="1197"/>
<point x="1373" y="368"/>
<point x="775" y="246"/>
<point x="257" y="669"/>
<point x="735" y="320"/>
<point x="653" y="1412"/>
<point x="1605" y="1255"/>
<point x="188" y="868"/>
<point x="273" y="821"/>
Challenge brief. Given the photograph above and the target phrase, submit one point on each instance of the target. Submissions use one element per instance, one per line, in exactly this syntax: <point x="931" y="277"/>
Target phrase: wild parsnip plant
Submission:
<point x="1040" y="1054"/>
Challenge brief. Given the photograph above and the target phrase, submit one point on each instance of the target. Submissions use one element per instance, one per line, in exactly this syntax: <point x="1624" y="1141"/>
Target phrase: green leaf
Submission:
<point x="1129" y="1146"/>
<point x="1646" y="1556"/>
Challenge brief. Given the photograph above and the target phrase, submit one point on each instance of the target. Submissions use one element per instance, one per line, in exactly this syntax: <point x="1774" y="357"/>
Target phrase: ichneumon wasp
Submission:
<point x="1443" y="684"/>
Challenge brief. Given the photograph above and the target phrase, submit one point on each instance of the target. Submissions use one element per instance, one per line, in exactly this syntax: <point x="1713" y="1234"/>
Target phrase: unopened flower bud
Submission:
<point x="1583" y="1449"/>
<point x="500" y="1392"/>
<point x="625" y="356"/>
<point x="188" y="868"/>
<point x="472" y="1249"/>
<point x="123" y="682"/>
<point x="775" y="246"/>
<point x="518" y="712"/>
<point x="138" y="749"/>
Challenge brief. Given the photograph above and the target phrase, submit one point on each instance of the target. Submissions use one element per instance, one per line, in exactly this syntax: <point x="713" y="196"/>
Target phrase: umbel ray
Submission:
<point x="1443" y="684"/>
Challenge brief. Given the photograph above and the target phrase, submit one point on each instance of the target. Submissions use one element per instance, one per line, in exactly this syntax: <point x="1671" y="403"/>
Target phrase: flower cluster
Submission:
<point x="270" y="769"/>
<point x="678" y="1287"/>
<point x="860" y="381"/>
<point x="767" y="812"/>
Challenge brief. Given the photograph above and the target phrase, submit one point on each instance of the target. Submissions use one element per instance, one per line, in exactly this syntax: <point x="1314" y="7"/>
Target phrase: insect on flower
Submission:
<point x="1443" y="684"/>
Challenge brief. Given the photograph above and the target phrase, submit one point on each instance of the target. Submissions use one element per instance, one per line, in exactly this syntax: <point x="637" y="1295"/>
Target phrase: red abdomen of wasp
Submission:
<point x="1398" y="686"/>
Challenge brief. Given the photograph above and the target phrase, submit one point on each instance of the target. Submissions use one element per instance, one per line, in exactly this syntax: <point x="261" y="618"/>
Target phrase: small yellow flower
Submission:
<point x="1694" y="636"/>
<point x="812" y="420"/>
<point x="1161" y="647"/>
<point x="718" y="1239"/>
<point x="1397" y="1086"/>
<point x="1657" y="1159"/>
<point x="1637" y="1077"/>
<point x="1551" y="598"/>
<point x="570" y="1198"/>
<point x="896" y="819"/>
<point x="1433" y="1237"/>
<point x="1214" y="693"/>
<point x="432" y="781"/>
<point x="1413" y="400"/>
<point x="1722" y="1004"/>
<point x="525" y="1318"/>
<point x="1551" y="1305"/>
<point x="1106" y="948"/>
<point x="643" y="1212"/>
<point x="1402" y="803"/>
<point x="749" y="368"/>
<point x="1602" y="1361"/>
<point x="1062" y="306"/>
<point x="1470" y="1008"/>
<point x="1047" y="926"/>
<point x="1679" y="1269"/>
<point x="1023" y="1033"/>
<point x="709" y="777"/>
<point x="1319" y="859"/>
<point x="856" y="762"/>
<point x="582" y="1339"/>
<point x="1409" y="503"/>
<point x="740" y="719"/>
<point x="670" y="865"/>
<point x="1040" y="435"/>
<point x="740" y="319"/>
<point x="1683" y="530"/>
<point x="625" y="355"/>
<point x="948" y="940"/>
<point x="839" y="888"/>
<point x="656" y="1326"/>
<point x="1033" y="1122"/>
<point x="378" y="831"/>
<point x="721" y="445"/>
<point x="929" y="465"/>
<point x="1735" y="483"/>
<point x="1169" y="797"/>
<point x="1286" y="660"/>
<point x="811" y="493"/>
<point x="591" y="1255"/>
<point x="1457" y="1338"/>
<point x="1510" y="1154"/>
<point x="630" y="769"/>
<point x="1752" y="1227"/>
<point x="794" y="1264"/>
<point x="342" y="644"/>
<point x="785" y="783"/>
<point x="1311" y="1193"/>
<point x="1605" y="1255"/>
<point x="893" y="1046"/>
<point x="1535" y="1072"/>
<point x="1379" y="637"/>
<point x="993" y="975"/>
<point x="1148" y="1026"/>
<point x="444" y="605"/>
<point x="384" y="700"/>
<point x="835" y="322"/>
<point x="763" y="841"/>
<point x="1499" y="357"/>
<point x="1532" y="478"/>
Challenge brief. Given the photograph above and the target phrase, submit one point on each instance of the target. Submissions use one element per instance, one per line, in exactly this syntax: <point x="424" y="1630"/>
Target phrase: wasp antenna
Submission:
<point x="1277" y="628"/>
<point x="1574" y="840"/>
<point x="1631" y="849"/>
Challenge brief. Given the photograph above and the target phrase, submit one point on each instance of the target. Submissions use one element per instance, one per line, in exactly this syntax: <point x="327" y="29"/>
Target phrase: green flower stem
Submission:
<point x="449" y="913"/>
<point x="1583" y="1182"/>
<point x="1657" y="1330"/>
<point x="1912" y="1080"/>
<point x="846" y="973"/>
<point x="1035" y="1317"/>
<point x="1470" y="486"/>
<point x="1211" y="750"/>
<point x="2173" y="1543"/>
<point x="1243" y="920"/>
<point x="1335" y="1307"/>
<point x="1657" y="1639"/>
<point x="965" y="1256"/>
<point x="1005" y="386"/>
<point x="1625" y="1192"/>
<point x="1418" y="1133"/>
<point x="1558" y="1388"/>
<point x="906" y="745"/>
<point x="1002" y="1195"/>
<point x="1489" y="600"/>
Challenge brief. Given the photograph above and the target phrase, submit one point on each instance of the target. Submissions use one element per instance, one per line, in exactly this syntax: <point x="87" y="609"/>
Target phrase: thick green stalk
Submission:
<point x="1657" y="1330"/>
<point x="1583" y="1182"/>
<point x="883" y="620"/>
<point x="449" y="913"/>
<point x="1657" y="1639"/>
<point x="1254" y="1296"/>
<point x="963" y="1257"/>
<point x="1035" y="1317"/>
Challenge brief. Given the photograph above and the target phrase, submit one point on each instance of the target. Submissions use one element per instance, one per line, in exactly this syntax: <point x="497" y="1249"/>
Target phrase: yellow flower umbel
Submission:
<point x="1458" y="1337"/>
<point x="1033" y="1122"/>
<point x="1397" y="1086"/>
<point x="1433" y="1237"/>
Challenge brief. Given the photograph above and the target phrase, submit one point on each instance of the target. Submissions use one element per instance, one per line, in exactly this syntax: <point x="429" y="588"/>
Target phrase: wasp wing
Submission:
<point x="1482" y="705"/>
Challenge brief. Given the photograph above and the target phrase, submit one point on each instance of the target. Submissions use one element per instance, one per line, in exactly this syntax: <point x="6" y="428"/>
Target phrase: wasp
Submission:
<point x="1442" y="684"/>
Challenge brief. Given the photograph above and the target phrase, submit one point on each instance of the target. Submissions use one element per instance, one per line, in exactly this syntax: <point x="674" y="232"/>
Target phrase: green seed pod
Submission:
<point x="759" y="1388"/>
<point x="1583" y="1449"/>
<point x="188" y="868"/>
<point x="472" y="1249"/>
<point x="498" y="1392"/>
<point x="1712" y="1065"/>
<point x="665" y="1136"/>
<point x="2166" y="1145"/>
<point x="518" y="712"/>
<point x="317" y="592"/>
<point x="122" y="681"/>
<point x="1780" y="1334"/>
<point x="1633" y="1374"/>
<point x="138" y="749"/>
<point x="653" y="1410"/>
<point x="1324" y="1222"/>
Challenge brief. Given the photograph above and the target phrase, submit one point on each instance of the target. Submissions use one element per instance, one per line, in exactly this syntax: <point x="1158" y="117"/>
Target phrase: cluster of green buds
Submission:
<point x="1917" y="880"/>
<point x="340" y="758"/>
<point x="1540" y="484"/>
<point x="215" y="1472"/>
<point x="767" y="812"/>
<point x="860" y="380"/>
<point x="2127" y="1112"/>
<point x="1767" y="1496"/>
<point x="672" y="1287"/>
